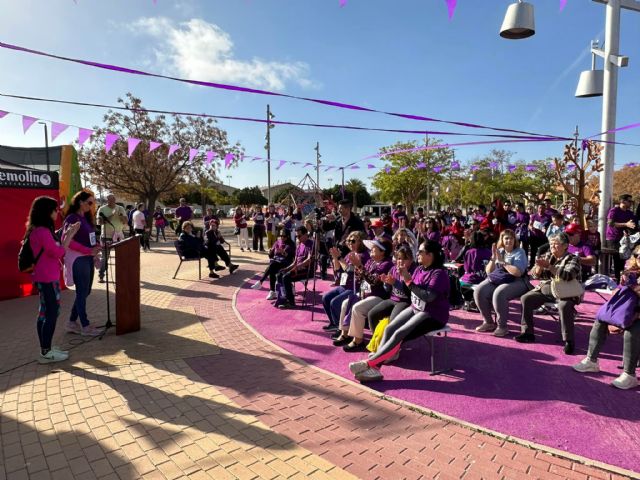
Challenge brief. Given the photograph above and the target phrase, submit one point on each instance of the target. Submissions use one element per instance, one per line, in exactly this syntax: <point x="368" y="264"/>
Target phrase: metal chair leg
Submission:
<point x="178" y="269"/>
<point x="200" y="269"/>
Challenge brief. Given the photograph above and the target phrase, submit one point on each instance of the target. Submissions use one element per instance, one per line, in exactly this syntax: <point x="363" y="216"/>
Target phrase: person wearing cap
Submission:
<point x="582" y="250"/>
<point x="619" y="219"/>
<point x="372" y="292"/>
<point x="379" y="230"/>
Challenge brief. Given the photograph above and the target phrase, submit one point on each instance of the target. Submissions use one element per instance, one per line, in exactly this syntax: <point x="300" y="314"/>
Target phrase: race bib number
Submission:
<point x="417" y="303"/>
<point x="343" y="279"/>
<point x="92" y="239"/>
<point x="365" y="288"/>
<point x="538" y="225"/>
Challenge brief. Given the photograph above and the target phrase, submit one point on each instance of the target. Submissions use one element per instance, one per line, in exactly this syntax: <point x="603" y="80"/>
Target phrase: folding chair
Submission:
<point x="430" y="338"/>
<point x="183" y="258"/>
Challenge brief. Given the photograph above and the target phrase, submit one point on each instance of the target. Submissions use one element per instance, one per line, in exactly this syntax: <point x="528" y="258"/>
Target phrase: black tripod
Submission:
<point x="315" y="257"/>
<point x="105" y="253"/>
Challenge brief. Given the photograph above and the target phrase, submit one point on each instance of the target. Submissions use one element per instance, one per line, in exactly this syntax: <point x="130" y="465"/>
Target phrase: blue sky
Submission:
<point x="395" y="55"/>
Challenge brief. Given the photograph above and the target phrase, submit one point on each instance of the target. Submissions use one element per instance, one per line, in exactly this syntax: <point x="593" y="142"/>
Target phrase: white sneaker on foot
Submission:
<point x="91" y="331"/>
<point x="72" y="327"/>
<point x="501" y="332"/>
<point x="369" y="375"/>
<point x="256" y="286"/>
<point x="486" y="327"/>
<point x="625" y="381"/>
<point x="358" y="367"/>
<point x="52" y="356"/>
<point x="59" y="350"/>
<point x="272" y="295"/>
<point x="586" y="365"/>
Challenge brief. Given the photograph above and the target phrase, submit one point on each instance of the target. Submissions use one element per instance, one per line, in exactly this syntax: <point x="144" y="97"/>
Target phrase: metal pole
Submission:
<point x="318" y="165"/>
<point x="609" y="100"/>
<point x="46" y="145"/>
<point x="342" y="191"/>
<point x="269" y="154"/>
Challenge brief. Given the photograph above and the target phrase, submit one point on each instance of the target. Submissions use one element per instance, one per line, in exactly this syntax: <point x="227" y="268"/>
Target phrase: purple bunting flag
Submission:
<point x="403" y="169"/>
<point x="132" y="144"/>
<point x="193" y="152"/>
<point x="451" y="7"/>
<point x="306" y="165"/>
<point x="437" y="169"/>
<point x="57" y="129"/>
<point x="153" y="145"/>
<point x="343" y="3"/>
<point x="512" y="168"/>
<point x="294" y="163"/>
<point x="387" y="169"/>
<point x="27" y="122"/>
<point x="530" y="168"/>
<point x="209" y="159"/>
<point x="571" y="167"/>
<point x="493" y="165"/>
<point x="173" y="149"/>
<point x="455" y="166"/>
<point x="355" y="167"/>
<point x="563" y="3"/>
<point x="280" y="164"/>
<point x="552" y="166"/>
<point x="370" y="166"/>
<point x="83" y="135"/>
<point x="421" y="166"/>
<point x="474" y="168"/>
<point x="3" y="113"/>
<point x="109" y="140"/>
<point x="255" y="159"/>
<point x="228" y="160"/>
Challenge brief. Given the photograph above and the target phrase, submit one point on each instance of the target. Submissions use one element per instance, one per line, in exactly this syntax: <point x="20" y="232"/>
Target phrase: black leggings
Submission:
<point x="271" y="272"/>
<point x="386" y="308"/>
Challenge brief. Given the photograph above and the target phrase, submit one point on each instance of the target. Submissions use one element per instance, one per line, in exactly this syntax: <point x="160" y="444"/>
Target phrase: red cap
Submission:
<point x="572" y="229"/>
<point x="377" y="224"/>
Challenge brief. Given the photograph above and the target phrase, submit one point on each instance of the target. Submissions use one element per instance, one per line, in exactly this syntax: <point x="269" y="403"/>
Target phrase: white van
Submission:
<point x="374" y="211"/>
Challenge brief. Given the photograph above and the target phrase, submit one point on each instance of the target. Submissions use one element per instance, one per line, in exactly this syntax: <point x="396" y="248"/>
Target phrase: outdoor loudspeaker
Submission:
<point x="590" y="84"/>
<point x="518" y="22"/>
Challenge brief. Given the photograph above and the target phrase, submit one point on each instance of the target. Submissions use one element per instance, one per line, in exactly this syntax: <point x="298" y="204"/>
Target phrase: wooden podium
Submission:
<point x="127" y="285"/>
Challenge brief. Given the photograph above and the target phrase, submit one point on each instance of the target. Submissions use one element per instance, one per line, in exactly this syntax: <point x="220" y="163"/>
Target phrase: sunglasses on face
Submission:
<point x="351" y="241"/>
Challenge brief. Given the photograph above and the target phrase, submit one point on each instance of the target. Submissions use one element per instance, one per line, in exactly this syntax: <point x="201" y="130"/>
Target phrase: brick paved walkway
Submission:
<point x="246" y="410"/>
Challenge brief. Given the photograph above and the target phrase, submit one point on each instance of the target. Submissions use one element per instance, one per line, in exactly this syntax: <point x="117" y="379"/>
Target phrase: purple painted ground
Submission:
<point x="528" y="391"/>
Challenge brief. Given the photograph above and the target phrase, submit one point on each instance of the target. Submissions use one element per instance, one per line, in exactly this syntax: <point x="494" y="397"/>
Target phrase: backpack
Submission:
<point x="26" y="260"/>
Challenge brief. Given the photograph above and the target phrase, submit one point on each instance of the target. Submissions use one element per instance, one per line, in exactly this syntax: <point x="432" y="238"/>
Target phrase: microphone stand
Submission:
<point x="105" y="253"/>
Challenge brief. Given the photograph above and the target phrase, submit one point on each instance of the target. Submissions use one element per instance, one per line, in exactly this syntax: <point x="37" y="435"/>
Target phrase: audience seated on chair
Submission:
<point x="214" y="243"/>
<point x="476" y="257"/>
<point x="281" y="256"/>
<point x="506" y="279"/>
<point x="372" y="292"/>
<point x="193" y="247"/>
<point x="560" y="264"/>
<point x="429" y="310"/>
<point x="346" y="284"/>
<point x="299" y="269"/>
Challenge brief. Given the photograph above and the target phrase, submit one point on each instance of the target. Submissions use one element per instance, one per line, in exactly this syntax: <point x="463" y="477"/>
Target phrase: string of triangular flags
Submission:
<point x="110" y="138"/>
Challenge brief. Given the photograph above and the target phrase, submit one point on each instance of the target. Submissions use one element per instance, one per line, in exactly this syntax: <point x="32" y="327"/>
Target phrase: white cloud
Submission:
<point x="196" y="49"/>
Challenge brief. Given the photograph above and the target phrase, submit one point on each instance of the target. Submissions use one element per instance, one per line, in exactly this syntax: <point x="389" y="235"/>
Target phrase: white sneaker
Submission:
<point x="72" y="327"/>
<point x="256" y="286"/>
<point x="625" y="381"/>
<point x="272" y="295"/>
<point x="586" y="365"/>
<point x="91" y="331"/>
<point x="52" y="356"/>
<point x="56" y="348"/>
<point x="369" y="375"/>
<point x="358" y="367"/>
<point x="501" y="332"/>
<point x="486" y="327"/>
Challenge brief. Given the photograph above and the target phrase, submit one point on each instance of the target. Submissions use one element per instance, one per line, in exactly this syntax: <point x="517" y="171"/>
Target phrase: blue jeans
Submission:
<point x="48" y="313"/>
<point x="83" y="279"/>
<point x="332" y="303"/>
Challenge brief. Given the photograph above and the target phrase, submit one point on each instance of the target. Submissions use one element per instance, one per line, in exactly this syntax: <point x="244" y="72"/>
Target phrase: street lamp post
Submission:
<point x="229" y="180"/>
<point x="46" y="144"/>
<point x="267" y="147"/>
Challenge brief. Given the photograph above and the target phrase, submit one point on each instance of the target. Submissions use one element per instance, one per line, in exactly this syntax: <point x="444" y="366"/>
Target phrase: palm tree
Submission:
<point x="353" y="186"/>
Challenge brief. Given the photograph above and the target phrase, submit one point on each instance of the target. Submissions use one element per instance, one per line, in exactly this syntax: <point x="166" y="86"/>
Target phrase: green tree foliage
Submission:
<point x="250" y="196"/>
<point x="405" y="183"/>
<point x="151" y="175"/>
<point x="354" y="190"/>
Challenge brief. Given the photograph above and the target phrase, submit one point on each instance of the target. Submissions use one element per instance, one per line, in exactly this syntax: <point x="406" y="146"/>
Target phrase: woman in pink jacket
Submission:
<point x="48" y="251"/>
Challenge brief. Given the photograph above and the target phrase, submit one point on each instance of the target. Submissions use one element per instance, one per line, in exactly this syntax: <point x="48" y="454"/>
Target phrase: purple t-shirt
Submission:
<point x="581" y="250"/>
<point x="435" y="236"/>
<point x="376" y="268"/>
<point x="86" y="236"/>
<point x="282" y="251"/>
<point x="184" y="213"/>
<point x="399" y="289"/>
<point x="396" y="216"/>
<point x="522" y="217"/>
<point x="617" y="215"/>
<point x="303" y="250"/>
<point x="436" y="280"/>
<point x="475" y="261"/>
<point x="346" y="279"/>
<point x="539" y="223"/>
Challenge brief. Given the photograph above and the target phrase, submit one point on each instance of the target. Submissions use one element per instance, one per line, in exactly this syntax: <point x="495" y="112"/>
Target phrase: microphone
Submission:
<point x="104" y="217"/>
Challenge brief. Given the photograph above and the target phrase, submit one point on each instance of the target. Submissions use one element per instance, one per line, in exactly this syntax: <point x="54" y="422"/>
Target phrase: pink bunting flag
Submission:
<point x="57" y="129"/>
<point x="370" y="166"/>
<point x="192" y="154"/>
<point x="109" y="140"/>
<point x="83" y="135"/>
<point x="132" y="143"/>
<point x="27" y="122"/>
<point x="563" y="3"/>
<point x="228" y="160"/>
<point x="343" y="3"/>
<point x="209" y="159"/>
<point x="280" y="164"/>
<point x="3" y="113"/>
<point x="451" y="6"/>
<point x="173" y="149"/>
<point x="153" y="145"/>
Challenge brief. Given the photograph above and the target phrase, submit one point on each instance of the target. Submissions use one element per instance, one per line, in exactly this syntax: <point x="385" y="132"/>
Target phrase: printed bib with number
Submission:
<point x="417" y="303"/>
<point x="365" y="288"/>
<point x="92" y="239"/>
<point x="343" y="279"/>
